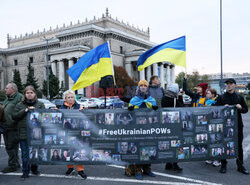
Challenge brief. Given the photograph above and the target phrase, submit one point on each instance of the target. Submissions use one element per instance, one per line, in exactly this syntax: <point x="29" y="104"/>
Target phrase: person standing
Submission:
<point x="11" y="135"/>
<point x="172" y="98"/>
<point x="211" y="97"/>
<point x="155" y="90"/>
<point x="232" y="98"/>
<point x="141" y="100"/>
<point x="28" y="103"/>
<point x="198" y="98"/>
<point x="70" y="103"/>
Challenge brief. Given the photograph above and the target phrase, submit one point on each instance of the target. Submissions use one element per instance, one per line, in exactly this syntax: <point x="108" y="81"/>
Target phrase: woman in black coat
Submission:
<point x="172" y="98"/>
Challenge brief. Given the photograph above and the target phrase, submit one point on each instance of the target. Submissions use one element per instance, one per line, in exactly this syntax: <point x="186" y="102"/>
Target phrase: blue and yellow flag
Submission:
<point x="91" y="67"/>
<point x="173" y="51"/>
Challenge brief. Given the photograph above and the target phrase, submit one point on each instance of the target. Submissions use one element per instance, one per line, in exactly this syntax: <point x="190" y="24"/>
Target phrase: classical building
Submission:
<point x="68" y="43"/>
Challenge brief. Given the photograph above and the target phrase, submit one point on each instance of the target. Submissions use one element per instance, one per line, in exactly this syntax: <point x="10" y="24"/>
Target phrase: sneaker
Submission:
<point x="177" y="168"/>
<point x="208" y="162"/>
<point x="82" y="174"/>
<point x="216" y="163"/>
<point x="138" y="176"/>
<point x="243" y="170"/>
<point x="9" y="169"/>
<point x="24" y="176"/>
<point x="69" y="171"/>
<point x="149" y="173"/>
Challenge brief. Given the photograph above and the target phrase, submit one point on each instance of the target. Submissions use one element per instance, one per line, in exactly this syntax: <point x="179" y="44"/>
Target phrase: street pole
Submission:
<point x="47" y="68"/>
<point x="47" y="64"/>
<point x="221" y="72"/>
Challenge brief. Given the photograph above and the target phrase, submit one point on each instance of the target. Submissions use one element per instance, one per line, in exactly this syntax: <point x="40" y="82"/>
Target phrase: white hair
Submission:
<point x="13" y="86"/>
<point x="68" y="92"/>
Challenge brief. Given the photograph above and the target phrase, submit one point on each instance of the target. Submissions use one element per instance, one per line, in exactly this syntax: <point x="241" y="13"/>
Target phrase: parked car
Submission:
<point x="88" y="102"/>
<point x="113" y="103"/>
<point x="186" y="99"/>
<point x="58" y="102"/>
<point x="47" y="103"/>
<point x="98" y="101"/>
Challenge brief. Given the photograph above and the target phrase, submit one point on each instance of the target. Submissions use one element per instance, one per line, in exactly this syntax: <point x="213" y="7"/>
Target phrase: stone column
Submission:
<point x="128" y="67"/>
<point x="53" y="67"/>
<point x="173" y="74"/>
<point x="162" y="75"/>
<point x="142" y="75"/>
<point x="155" y="69"/>
<point x="71" y="82"/>
<point x="61" y="72"/>
<point x="168" y="74"/>
<point x="148" y="73"/>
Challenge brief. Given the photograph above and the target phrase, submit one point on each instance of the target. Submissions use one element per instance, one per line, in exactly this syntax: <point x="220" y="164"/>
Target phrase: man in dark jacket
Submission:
<point x="2" y="120"/>
<point x="232" y="98"/>
<point x="11" y="134"/>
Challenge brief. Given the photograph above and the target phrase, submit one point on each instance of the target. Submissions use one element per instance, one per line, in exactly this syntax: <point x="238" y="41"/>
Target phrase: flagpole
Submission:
<point x="111" y="62"/>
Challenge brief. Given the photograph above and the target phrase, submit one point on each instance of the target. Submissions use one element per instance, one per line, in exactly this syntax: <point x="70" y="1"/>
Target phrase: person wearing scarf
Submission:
<point x="141" y="100"/>
<point x="70" y="103"/>
<point x="28" y="103"/>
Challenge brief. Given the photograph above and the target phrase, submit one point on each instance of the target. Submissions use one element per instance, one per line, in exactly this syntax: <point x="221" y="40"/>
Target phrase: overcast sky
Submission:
<point x="167" y="19"/>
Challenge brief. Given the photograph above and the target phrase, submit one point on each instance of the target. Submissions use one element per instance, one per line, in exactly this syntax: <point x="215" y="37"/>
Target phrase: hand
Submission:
<point x="226" y="105"/>
<point x="238" y="106"/>
<point x="55" y="108"/>
<point x="26" y="110"/>
<point x="31" y="108"/>
<point x="131" y="108"/>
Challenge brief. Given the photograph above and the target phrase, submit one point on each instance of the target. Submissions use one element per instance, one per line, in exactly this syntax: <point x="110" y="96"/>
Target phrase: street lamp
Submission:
<point x="47" y="63"/>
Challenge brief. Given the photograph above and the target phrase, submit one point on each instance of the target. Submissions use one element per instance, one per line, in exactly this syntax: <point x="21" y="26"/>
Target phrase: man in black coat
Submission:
<point x="232" y="98"/>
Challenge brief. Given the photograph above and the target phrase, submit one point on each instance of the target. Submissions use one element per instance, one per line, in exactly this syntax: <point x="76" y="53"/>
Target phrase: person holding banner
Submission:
<point x="211" y="97"/>
<point x="172" y="98"/>
<point x="70" y="103"/>
<point x="141" y="100"/>
<point x="232" y="98"/>
<point x="28" y="103"/>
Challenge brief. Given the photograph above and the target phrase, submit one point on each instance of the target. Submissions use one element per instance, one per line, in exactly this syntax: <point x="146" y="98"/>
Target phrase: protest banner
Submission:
<point x="141" y="136"/>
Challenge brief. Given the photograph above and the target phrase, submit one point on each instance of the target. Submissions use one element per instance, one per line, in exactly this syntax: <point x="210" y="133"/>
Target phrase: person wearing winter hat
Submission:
<point x="172" y="98"/>
<point x="141" y="100"/>
<point x="198" y="98"/>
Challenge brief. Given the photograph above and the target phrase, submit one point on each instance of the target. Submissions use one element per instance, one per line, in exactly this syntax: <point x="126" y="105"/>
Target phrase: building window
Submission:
<point x="121" y="50"/>
<point x="15" y="63"/>
<point x="31" y="60"/>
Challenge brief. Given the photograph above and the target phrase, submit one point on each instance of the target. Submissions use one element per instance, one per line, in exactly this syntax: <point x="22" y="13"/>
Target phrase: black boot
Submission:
<point x="169" y="166"/>
<point x="24" y="176"/>
<point x="241" y="168"/>
<point x="34" y="170"/>
<point x="223" y="168"/>
<point x="176" y="167"/>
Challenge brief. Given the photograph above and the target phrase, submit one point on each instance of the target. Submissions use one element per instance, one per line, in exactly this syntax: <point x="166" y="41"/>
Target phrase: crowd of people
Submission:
<point x="150" y="95"/>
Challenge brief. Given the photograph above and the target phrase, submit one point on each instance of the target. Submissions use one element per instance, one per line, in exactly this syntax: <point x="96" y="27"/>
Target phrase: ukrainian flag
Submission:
<point x="173" y="51"/>
<point x="91" y="67"/>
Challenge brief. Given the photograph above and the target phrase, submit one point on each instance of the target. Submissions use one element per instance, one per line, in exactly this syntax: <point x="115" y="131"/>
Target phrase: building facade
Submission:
<point x="68" y="43"/>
